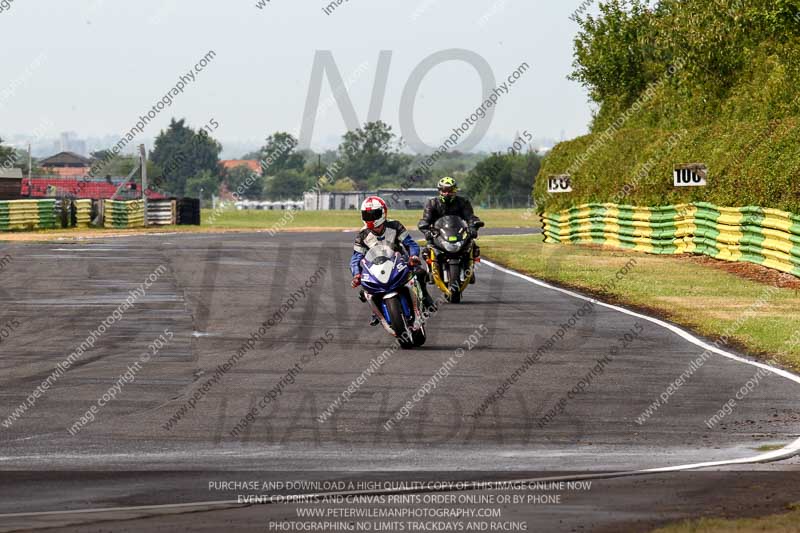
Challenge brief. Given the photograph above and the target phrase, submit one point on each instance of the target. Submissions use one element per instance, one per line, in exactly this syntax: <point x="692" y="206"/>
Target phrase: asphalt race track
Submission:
<point x="210" y="295"/>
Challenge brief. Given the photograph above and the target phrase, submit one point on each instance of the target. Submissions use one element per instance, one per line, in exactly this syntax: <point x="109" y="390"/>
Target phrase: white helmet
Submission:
<point x="374" y="212"/>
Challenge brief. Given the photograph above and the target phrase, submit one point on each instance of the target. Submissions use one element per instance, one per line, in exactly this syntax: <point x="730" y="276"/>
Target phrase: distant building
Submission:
<point x="414" y="198"/>
<point x="10" y="184"/>
<point x="327" y="201"/>
<point x="394" y="198"/>
<point x="66" y="164"/>
<point x="68" y="141"/>
<point x="225" y="195"/>
<point x="251" y="164"/>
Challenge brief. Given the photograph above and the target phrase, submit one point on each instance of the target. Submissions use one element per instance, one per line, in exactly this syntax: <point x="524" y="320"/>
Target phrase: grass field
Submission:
<point x="783" y="523"/>
<point x="233" y="220"/>
<point x="707" y="300"/>
<point x="297" y="220"/>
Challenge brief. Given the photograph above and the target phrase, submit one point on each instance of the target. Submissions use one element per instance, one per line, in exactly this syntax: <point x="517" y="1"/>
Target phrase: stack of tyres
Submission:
<point x="82" y="213"/>
<point x="124" y="215"/>
<point x="764" y="236"/>
<point x="161" y="212"/>
<point x="189" y="211"/>
<point x="28" y="214"/>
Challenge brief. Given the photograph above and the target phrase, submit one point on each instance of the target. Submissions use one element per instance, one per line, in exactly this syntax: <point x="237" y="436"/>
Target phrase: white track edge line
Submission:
<point x="786" y="452"/>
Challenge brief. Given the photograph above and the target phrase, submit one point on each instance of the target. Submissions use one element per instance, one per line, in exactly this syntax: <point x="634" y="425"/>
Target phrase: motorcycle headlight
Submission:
<point x="452" y="247"/>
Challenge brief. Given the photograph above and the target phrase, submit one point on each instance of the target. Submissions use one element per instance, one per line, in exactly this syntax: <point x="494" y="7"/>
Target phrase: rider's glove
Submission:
<point x="473" y="232"/>
<point x="414" y="261"/>
<point x="356" y="281"/>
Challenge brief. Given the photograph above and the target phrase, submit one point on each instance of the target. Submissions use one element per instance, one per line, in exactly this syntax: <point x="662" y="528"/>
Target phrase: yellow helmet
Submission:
<point x="447" y="189"/>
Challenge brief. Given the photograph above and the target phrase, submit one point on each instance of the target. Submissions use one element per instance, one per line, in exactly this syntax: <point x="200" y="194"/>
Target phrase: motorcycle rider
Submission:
<point x="378" y="229"/>
<point x="446" y="204"/>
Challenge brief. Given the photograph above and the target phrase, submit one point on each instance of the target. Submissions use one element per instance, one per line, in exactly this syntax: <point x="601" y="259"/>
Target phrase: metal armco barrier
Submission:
<point x="123" y="214"/>
<point x="161" y="212"/>
<point x="28" y="214"/>
<point x="767" y="237"/>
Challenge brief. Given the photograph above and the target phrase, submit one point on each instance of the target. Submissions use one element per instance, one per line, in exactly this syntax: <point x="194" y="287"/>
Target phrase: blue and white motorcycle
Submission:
<point x="394" y="294"/>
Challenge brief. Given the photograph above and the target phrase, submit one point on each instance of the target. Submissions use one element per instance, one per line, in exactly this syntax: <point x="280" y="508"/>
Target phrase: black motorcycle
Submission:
<point x="450" y="256"/>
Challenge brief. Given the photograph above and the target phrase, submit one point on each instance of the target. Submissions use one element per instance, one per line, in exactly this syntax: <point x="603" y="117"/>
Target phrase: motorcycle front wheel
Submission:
<point x="398" y="323"/>
<point x="418" y="337"/>
<point x="454" y="275"/>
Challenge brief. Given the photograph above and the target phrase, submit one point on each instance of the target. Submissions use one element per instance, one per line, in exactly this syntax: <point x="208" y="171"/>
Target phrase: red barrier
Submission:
<point x="97" y="190"/>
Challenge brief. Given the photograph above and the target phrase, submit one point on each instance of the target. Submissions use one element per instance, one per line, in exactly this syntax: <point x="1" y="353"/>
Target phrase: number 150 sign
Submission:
<point x="556" y="184"/>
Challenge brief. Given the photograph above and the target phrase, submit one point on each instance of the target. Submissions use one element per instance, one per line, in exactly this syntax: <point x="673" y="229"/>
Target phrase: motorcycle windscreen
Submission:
<point x="380" y="262"/>
<point x="451" y="224"/>
<point x="452" y="233"/>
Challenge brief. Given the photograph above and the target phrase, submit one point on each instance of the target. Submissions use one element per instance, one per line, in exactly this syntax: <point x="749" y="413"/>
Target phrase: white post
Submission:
<point x="143" y="162"/>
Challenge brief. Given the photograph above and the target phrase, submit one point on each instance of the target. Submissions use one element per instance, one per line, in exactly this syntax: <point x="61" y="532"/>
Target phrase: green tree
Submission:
<point x="701" y="49"/>
<point x="524" y="169"/>
<point x="329" y="157"/>
<point x="371" y="156"/>
<point x="206" y="180"/>
<point x="7" y="156"/>
<point x="488" y="177"/>
<point x="614" y="53"/>
<point x="21" y="157"/>
<point x="182" y="153"/>
<point x="344" y="185"/>
<point x="120" y="165"/>
<point x="245" y="183"/>
<point x="280" y="154"/>
<point x="506" y="178"/>
<point x="101" y="154"/>
<point x="287" y="185"/>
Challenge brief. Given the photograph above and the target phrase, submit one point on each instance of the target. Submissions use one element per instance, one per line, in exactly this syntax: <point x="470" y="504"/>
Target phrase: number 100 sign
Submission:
<point x="556" y="184"/>
<point x="693" y="175"/>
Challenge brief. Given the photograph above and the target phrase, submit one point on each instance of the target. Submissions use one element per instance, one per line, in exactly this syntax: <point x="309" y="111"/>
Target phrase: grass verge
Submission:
<point x="707" y="300"/>
<point x="250" y="220"/>
<point x="782" y="523"/>
<point x="498" y="218"/>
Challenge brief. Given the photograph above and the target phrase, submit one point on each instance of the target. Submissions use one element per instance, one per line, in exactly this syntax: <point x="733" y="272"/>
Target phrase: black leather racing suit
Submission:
<point x="459" y="206"/>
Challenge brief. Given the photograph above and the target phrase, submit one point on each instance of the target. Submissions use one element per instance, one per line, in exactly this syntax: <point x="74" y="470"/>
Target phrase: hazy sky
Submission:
<point x="95" y="66"/>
